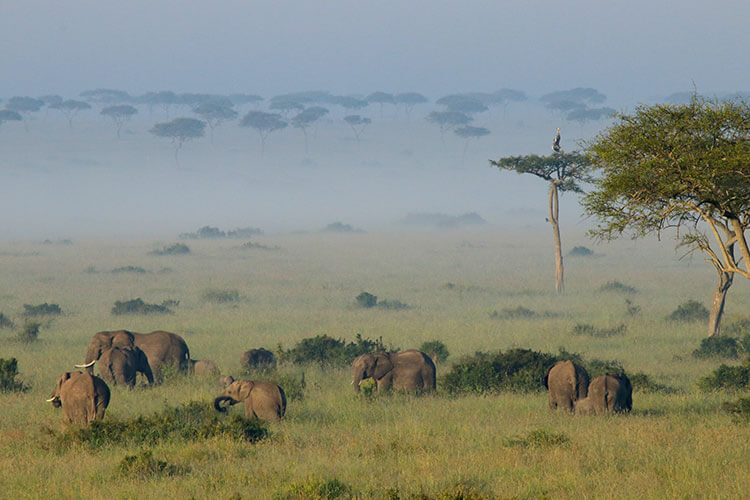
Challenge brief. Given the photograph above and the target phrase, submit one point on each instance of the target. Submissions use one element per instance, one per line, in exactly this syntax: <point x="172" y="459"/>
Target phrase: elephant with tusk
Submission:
<point x="410" y="370"/>
<point x="120" y="364"/>
<point x="82" y="396"/>
<point x="264" y="400"/>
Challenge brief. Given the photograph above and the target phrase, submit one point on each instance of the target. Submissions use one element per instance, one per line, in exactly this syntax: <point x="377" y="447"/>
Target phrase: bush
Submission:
<point x="175" y="249"/>
<point x="394" y="305"/>
<point x="30" y="331"/>
<point x="436" y="350"/>
<point x="317" y="489"/>
<point x="520" y="370"/>
<point x="327" y="350"/>
<point x="250" y="245"/>
<point x="293" y="384"/>
<point x="521" y="312"/>
<point x="720" y="346"/>
<point x="592" y="331"/>
<point x="740" y="409"/>
<point x="188" y="422"/>
<point x="209" y="232"/>
<point x="631" y="309"/>
<point x="221" y="296"/>
<point x="145" y="466"/>
<point x="339" y="227"/>
<point x="129" y="269"/>
<point x="739" y="328"/>
<point x="366" y="299"/>
<point x="727" y="377"/>
<point x="616" y="286"/>
<point x="644" y="383"/>
<point x="539" y="438"/>
<point x="691" y="310"/>
<point x="137" y="306"/>
<point x="41" y="310"/>
<point x="8" y="374"/>
<point x="581" y="252"/>
<point x="5" y="322"/>
<point x="596" y="367"/>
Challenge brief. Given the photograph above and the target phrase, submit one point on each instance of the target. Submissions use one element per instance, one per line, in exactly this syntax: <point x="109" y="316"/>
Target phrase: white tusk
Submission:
<point x="51" y="399"/>
<point x="86" y="365"/>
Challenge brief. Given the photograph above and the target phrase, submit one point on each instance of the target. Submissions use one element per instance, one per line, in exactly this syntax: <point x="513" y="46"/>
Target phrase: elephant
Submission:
<point x="225" y="380"/>
<point x="264" y="400"/>
<point x="120" y="364"/>
<point x="258" y="360"/>
<point x="161" y="348"/>
<point x="607" y="393"/>
<point x="83" y="397"/>
<point x="203" y="367"/>
<point x="566" y="383"/>
<point x="410" y="370"/>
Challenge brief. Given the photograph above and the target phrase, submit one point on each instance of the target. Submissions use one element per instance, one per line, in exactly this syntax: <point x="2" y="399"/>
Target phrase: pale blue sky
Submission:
<point x="630" y="50"/>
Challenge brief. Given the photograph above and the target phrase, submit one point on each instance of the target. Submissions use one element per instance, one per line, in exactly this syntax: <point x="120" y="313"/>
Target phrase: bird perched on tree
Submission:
<point x="556" y="140"/>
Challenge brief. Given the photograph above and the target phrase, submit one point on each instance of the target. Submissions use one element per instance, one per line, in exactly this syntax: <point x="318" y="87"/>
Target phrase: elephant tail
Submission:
<point x="221" y="399"/>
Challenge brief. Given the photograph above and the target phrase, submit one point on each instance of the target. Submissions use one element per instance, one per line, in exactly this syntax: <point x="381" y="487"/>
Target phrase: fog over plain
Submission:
<point x="58" y="182"/>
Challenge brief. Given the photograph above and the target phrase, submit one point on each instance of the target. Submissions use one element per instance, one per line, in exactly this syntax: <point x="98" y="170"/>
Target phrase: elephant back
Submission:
<point x="163" y="348"/>
<point x="258" y="359"/>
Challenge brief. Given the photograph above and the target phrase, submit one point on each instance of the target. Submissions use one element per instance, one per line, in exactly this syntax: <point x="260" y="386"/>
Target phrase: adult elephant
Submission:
<point x="161" y="348"/>
<point x="608" y="393"/>
<point x="120" y="364"/>
<point x="410" y="370"/>
<point x="264" y="400"/>
<point x="566" y="383"/>
<point x="203" y="367"/>
<point x="258" y="360"/>
<point x="83" y="397"/>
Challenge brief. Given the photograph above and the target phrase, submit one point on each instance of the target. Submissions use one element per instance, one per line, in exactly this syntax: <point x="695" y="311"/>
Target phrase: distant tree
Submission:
<point x="348" y="102"/>
<point x="165" y="98"/>
<point x="685" y="167"/>
<point x="463" y="103"/>
<point x="583" y="115"/>
<point x="308" y="117"/>
<point x="214" y="113"/>
<point x="120" y="113"/>
<point x="106" y="96"/>
<point x="7" y="115"/>
<point x="357" y="123"/>
<point x="264" y="123"/>
<point x="506" y="96"/>
<point x="380" y="98"/>
<point x="564" y="172"/>
<point x="448" y="120"/>
<point x="51" y="99"/>
<point x="408" y="100"/>
<point x="179" y="131"/>
<point x="286" y="107"/>
<point x="468" y="132"/>
<point x="242" y="99"/>
<point x="70" y="108"/>
<point x="24" y="106"/>
<point x="580" y="95"/>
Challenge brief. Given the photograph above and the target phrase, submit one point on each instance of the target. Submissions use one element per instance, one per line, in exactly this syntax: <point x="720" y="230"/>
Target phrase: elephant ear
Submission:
<point x="383" y="365"/>
<point x="246" y="387"/>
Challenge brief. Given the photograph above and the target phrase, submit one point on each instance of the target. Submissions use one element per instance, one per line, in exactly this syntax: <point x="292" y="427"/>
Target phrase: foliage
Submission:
<point x="329" y="351"/>
<point x="357" y="124"/>
<point x="174" y="249"/>
<point x="251" y="245"/>
<point x="593" y="331"/>
<point x="7" y="115"/>
<point x="567" y="171"/>
<point x="738" y="328"/>
<point x="579" y="96"/>
<point x="6" y="322"/>
<point x="436" y="350"/>
<point x="642" y="382"/>
<point x="367" y="300"/>
<point x="138" y="306"/>
<point x="719" y="346"/>
<point x="539" y="438"/>
<point x="596" y="367"/>
<point x="294" y="384"/>
<point x="740" y="409"/>
<point x="129" y="269"/>
<point x="179" y="130"/>
<point x="448" y="120"/>
<point x="469" y="132"/>
<point x="8" y="374"/>
<point x="340" y="227"/>
<point x="30" y="331"/>
<point x="120" y="114"/>
<point x="727" y="377"/>
<point x="188" y="422"/>
<point x="264" y="123"/>
<point x="24" y="104"/>
<point x="631" y="308"/>
<point x="517" y="370"/>
<point x="616" y="286"/>
<point x="221" y="296"/>
<point x="581" y="251"/>
<point x="521" y="312"/>
<point x="210" y="232"/>
<point x="583" y="115"/>
<point x="70" y="108"/>
<point x="145" y="466"/>
<point x="317" y="489"/>
<point x="691" y="310"/>
<point x="41" y="310"/>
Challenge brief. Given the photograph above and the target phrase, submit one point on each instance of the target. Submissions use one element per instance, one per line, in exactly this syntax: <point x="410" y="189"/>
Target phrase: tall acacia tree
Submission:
<point x="685" y="167"/>
<point x="564" y="172"/>
<point x="179" y="131"/>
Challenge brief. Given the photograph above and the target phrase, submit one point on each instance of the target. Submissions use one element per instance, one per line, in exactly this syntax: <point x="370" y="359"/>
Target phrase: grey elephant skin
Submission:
<point x="83" y="397"/>
<point x="411" y="371"/>
<point x="120" y="365"/>
<point x="264" y="400"/>
<point x="161" y="348"/>
<point x="203" y="367"/>
<point x="607" y="393"/>
<point x="566" y="383"/>
<point x="258" y="360"/>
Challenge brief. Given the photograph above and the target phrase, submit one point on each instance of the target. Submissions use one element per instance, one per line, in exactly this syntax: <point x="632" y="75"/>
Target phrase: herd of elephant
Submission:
<point x="121" y="355"/>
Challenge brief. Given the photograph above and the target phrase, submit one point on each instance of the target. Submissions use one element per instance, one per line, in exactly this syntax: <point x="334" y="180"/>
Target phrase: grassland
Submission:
<point x="678" y="445"/>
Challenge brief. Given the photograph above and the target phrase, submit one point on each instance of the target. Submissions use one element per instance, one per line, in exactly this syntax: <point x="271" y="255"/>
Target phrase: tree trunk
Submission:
<point x="717" y="304"/>
<point x="554" y="212"/>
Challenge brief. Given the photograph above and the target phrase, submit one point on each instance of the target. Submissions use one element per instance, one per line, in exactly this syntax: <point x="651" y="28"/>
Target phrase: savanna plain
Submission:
<point x="334" y="443"/>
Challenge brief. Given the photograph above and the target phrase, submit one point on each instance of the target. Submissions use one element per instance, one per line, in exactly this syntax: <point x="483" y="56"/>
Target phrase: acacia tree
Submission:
<point x="24" y="106"/>
<point x="179" y="130"/>
<point x="564" y="172"/>
<point x="468" y="132"/>
<point x="357" y="123"/>
<point x="120" y="113"/>
<point x="448" y="120"/>
<point x="685" y="167"/>
<point x="70" y="108"/>
<point x="214" y="113"/>
<point x="306" y="118"/>
<point x="7" y="115"/>
<point x="264" y="123"/>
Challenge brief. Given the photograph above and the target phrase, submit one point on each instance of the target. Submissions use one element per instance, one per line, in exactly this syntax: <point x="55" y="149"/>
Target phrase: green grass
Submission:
<point x="677" y="443"/>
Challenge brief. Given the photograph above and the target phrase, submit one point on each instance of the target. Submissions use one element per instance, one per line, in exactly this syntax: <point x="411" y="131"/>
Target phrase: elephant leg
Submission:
<point x="385" y="383"/>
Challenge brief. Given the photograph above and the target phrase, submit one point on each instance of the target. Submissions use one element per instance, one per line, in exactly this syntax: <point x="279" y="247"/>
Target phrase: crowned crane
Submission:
<point x="556" y="141"/>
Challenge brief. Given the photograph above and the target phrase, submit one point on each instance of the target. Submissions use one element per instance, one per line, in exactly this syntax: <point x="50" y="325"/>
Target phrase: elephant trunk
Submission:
<point x="358" y="376"/>
<point x="220" y="399"/>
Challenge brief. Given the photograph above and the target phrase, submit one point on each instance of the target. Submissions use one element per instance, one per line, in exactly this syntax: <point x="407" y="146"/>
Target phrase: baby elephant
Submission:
<point x="264" y="400"/>
<point x="607" y="393"/>
<point x="258" y="360"/>
<point x="203" y="367"/>
<point x="83" y="397"/>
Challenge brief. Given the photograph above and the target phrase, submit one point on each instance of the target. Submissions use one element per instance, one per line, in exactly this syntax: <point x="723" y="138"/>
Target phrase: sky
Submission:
<point x="629" y="50"/>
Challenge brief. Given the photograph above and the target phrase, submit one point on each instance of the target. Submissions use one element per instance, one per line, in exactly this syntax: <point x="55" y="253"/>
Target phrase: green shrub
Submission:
<point x="188" y="422"/>
<point x="30" y="331"/>
<point x="5" y="322"/>
<point x="293" y="384"/>
<point x="145" y="466"/>
<point x="250" y="245"/>
<point x="539" y="438"/>
<point x="644" y="383"/>
<point x="317" y="489"/>
<point x="174" y="249"/>
<point x="739" y="328"/>
<point x="394" y="305"/>
<point x="592" y="331"/>
<point x="691" y="310"/>
<point x="221" y="296"/>
<point x="727" y="377"/>
<point x="596" y="367"/>
<point x="8" y="374"/>
<point x="327" y="350"/>
<point x="129" y="269"/>
<point x="366" y="299"/>
<point x="41" y="310"/>
<point x="137" y="306"/>
<point x="719" y="346"/>
<point x="519" y="370"/>
<point x="616" y="286"/>
<point x="521" y="312"/>
<point x="631" y="309"/>
<point x="740" y="409"/>
<point x="436" y="350"/>
<point x="581" y="252"/>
